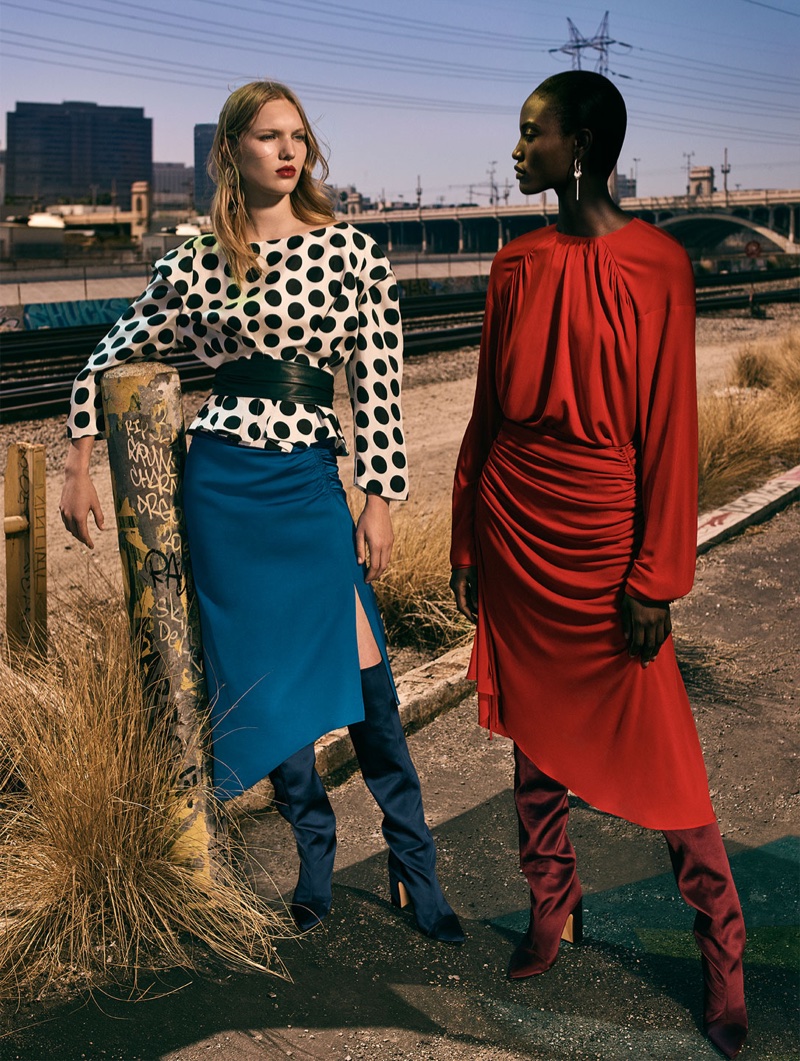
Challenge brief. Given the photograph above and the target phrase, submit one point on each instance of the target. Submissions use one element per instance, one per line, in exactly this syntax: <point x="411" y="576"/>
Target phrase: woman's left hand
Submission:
<point x="374" y="536"/>
<point x="646" y="626"/>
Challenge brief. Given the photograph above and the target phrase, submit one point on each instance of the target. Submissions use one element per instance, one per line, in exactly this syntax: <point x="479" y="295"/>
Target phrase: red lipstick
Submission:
<point x="286" y="171"/>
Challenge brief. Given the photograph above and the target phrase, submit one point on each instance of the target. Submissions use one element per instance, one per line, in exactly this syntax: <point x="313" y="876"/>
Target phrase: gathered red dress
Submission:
<point x="576" y="482"/>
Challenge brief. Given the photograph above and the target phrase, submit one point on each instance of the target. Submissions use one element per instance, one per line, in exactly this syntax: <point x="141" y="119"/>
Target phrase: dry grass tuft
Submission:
<point x="91" y="893"/>
<point x="776" y="366"/>
<point x="745" y="437"/>
<point x="414" y="595"/>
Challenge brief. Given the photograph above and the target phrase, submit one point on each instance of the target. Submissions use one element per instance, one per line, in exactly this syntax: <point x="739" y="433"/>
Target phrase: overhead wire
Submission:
<point x="772" y="7"/>
<point x="246" y="36"/>
<point x="650" y="91"/>
<point x="363" y="17"/>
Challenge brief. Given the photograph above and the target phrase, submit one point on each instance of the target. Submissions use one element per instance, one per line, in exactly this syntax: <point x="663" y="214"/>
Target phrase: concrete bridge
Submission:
<point x="715" y="225"/>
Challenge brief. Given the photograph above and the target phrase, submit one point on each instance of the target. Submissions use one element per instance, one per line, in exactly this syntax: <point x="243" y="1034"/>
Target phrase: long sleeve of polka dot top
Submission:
<point x="326" y="298"/>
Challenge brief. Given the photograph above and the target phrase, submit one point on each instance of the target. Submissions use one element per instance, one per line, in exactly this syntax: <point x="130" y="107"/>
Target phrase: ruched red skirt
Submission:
<point x="557" y="528"/>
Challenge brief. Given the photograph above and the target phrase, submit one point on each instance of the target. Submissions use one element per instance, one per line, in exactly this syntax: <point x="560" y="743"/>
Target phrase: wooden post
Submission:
<point x="147" y="450"/>
<point x="25" y="527"/>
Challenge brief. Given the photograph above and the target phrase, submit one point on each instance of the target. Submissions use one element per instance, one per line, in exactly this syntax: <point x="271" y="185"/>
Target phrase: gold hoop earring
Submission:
<point x="577" y="173"/>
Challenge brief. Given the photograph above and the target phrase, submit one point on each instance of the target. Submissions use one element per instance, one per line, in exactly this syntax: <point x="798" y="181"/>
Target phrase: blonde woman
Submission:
<point x="278" y="300"/>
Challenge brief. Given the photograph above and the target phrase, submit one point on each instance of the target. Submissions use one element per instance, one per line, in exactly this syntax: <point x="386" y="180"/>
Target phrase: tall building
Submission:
<point x="626" y="186"/>
<point x="173" y="184"/>
<point x="203" y="184"/>
<point x="77" y="151"/>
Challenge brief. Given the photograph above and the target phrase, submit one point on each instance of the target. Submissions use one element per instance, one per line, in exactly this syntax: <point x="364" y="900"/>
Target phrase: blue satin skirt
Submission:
<point x="272" y="548"/>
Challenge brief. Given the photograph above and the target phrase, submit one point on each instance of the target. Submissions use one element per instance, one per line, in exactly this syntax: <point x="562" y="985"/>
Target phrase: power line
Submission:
<point x="129" y="58"/>
<point x="361" y="16"/>
<point x="320" y="50"/>
<point x="772" y="7"/>
<point x="331" y="93"/>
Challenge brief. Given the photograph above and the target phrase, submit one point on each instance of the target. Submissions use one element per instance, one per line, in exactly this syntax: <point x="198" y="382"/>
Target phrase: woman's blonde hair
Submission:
<point x="229" y="218"/>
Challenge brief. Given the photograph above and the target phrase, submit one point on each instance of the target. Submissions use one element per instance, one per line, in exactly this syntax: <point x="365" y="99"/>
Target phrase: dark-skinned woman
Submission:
<point x="574" y="525"/>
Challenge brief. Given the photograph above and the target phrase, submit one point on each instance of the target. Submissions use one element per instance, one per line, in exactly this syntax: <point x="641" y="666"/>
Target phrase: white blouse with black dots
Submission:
<point x="326" y="298"/>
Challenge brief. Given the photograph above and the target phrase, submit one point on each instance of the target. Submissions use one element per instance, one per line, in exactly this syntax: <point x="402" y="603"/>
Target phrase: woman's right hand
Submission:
<point x="464" y="584"/>
<point x="78" y="496"/>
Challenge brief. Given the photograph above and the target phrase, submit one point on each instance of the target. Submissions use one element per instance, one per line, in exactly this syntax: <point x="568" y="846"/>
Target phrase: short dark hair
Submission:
<point x="585" y="100"/>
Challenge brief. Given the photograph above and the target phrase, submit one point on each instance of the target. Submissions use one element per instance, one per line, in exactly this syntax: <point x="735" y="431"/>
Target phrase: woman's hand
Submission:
<point x="79" y="497"/>
<point x="374" y="536"/>
<point x="646" y="626"/>
<point x="464" y="584"/>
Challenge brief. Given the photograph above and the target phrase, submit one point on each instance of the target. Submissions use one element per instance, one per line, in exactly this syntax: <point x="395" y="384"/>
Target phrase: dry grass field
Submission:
<point x="91" y="891"/>
<point x="751" y="430"/>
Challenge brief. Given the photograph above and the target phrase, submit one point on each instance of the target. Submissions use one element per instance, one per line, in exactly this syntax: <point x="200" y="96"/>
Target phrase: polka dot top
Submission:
<point x="326" y="298"/>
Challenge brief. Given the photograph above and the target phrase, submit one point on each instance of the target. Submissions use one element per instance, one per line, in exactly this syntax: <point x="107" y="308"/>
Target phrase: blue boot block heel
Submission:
<point x="389" y="774"/>
<point x="435" y="920"/>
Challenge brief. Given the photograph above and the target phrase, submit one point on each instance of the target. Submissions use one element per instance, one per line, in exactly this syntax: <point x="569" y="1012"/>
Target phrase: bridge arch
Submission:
<point x="708" y="230"/>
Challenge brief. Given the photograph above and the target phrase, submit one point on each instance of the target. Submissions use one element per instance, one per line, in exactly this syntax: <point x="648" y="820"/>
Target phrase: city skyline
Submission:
<point x="434" y="92"/>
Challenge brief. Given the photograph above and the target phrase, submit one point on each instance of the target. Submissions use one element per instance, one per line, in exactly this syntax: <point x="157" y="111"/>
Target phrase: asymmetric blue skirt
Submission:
<point x="273" y="556"/>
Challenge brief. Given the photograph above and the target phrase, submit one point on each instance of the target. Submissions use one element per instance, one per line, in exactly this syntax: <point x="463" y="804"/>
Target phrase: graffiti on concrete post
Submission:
<point x="147" y="450"/>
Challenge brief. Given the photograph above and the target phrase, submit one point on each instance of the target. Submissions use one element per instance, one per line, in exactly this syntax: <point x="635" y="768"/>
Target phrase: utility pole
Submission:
<point x="492" y="186"/>
<point x="636" y="162"/>
<point x="419" y="192"/>
<point x="688" y="155"/>
<point x="725" y="171"/>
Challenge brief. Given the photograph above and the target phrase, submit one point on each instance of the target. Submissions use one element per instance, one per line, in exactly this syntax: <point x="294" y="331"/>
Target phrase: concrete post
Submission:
<point x="25" y="526"/>
<point x="147" y="450"/>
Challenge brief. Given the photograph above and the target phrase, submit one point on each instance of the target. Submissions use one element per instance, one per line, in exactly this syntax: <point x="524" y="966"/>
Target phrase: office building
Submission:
<point x="626" y="186"/>
<point x="203" y="185"/>
<point x="173" y="185"/>
<point x="75" y="151"/>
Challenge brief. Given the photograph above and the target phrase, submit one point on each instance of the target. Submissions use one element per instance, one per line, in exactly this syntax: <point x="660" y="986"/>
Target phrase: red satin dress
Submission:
<point x="576" y="482"/>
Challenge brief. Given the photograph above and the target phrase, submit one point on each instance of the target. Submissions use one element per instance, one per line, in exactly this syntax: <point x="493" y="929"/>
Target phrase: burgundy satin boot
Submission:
<point x="703" y="875"/>
<point x="547" y="858"/>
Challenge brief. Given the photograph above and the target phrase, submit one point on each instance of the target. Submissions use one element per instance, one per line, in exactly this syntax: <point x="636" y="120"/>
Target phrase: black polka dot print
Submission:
<point x="325" y="298"/>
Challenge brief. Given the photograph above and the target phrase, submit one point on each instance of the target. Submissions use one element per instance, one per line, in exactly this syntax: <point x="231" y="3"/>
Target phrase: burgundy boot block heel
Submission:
<point x="537" y="952"/>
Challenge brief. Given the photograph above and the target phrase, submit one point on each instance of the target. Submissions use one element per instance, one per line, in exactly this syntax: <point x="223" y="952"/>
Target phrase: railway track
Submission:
<point x="37" y="367"/>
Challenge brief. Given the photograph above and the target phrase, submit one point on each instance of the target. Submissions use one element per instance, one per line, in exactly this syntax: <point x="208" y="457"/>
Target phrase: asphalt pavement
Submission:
<point x="367" y="985"/>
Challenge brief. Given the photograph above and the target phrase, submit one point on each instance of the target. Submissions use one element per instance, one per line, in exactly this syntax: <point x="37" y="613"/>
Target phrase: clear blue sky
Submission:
<point x="430" y="87"/>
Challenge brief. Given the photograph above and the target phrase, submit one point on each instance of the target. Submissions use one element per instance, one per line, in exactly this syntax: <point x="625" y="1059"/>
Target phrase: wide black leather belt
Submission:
<point x="275" y="381"/>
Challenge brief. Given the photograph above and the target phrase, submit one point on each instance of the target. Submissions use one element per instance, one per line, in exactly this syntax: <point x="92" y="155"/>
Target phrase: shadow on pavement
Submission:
<point x="633" y="989"/>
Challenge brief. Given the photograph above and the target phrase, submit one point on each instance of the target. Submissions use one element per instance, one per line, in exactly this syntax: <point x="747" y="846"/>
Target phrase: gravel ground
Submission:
<point x="368" y="987"/>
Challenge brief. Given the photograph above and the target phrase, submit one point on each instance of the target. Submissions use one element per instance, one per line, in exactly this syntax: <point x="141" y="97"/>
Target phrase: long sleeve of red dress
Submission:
<point x="667" y="429"/>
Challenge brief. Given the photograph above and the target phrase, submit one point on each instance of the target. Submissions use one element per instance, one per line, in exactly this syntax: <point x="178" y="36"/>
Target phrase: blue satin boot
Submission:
<point x="302" y="800"/>
<point x="389" y="774"/>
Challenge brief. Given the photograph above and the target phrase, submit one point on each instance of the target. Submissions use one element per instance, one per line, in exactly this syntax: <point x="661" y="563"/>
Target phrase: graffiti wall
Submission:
<point x="70" y="314"/>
